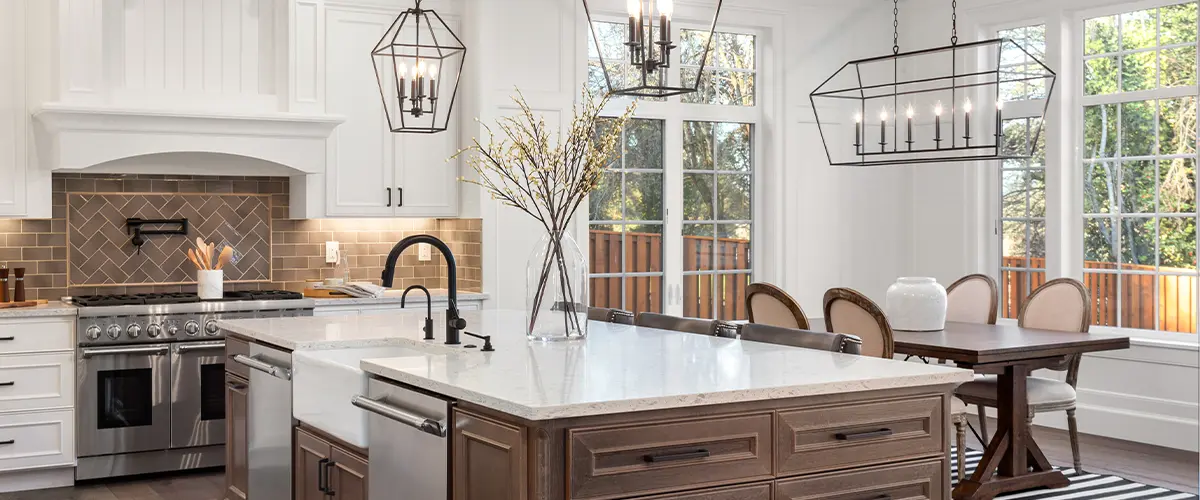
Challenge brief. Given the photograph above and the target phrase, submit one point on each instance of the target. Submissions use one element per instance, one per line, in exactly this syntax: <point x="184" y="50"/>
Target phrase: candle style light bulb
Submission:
<point x="666" y="8"/>
<point x="634" y="7"/>
<point x="967" y="106"/>
<point x="858" y="117"/>
<point x="937" y="110"/>
<point x="883" y="115"/>
<point x="909" y="112"/>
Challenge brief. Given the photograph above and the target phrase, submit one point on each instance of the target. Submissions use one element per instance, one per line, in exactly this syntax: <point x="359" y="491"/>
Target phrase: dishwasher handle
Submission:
<point x="426" y="425"/>
<point x="262" y="366"/>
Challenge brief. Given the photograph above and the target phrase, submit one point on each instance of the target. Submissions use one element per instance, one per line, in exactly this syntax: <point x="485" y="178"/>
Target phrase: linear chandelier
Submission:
<point x="943" y="104"/>
<point x="413" y="60"/>
<point x="649" y="45"/>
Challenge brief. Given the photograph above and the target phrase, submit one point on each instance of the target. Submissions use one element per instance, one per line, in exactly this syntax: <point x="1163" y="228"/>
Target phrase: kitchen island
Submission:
<point x="635" y="413"/>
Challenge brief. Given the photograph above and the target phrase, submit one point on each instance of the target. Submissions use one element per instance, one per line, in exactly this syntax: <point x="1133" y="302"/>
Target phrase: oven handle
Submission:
<point x="262" y="366"/>
<point x="111" y="351"/>
<point x="426" y="425"/>
<point x="199" y="346"/>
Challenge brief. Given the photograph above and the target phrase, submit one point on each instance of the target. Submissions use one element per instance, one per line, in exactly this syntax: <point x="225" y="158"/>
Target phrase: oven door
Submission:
<point x="198" y="394"/>
<point x="123" y="400"/>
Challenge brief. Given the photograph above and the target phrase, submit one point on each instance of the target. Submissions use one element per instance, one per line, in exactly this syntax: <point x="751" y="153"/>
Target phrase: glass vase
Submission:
<point x="556" y="289"/>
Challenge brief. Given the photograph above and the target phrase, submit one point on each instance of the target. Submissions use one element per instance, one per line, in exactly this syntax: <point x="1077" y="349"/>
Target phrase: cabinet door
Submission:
<point x="427" y="183"/>
<point x="13" y="118"/>
<point x="309" y="468"/>
<point x="237" y="467"/>
<point x="348" y="476"/>
<point x="489" y="459"/>
<point x="362" y="151"/>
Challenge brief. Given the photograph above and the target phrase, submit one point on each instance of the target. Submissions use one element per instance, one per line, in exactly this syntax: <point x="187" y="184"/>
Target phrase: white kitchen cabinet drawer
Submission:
<point x="37" y="439"/>
<point x="37" y="381"/>
<point x="36" y="335"/>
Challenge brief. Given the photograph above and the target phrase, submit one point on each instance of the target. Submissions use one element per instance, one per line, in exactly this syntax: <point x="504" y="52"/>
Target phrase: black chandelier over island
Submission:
<point x="650" y="45"/>
<point x="934" y="92"/>
<point x="416" y="56"/>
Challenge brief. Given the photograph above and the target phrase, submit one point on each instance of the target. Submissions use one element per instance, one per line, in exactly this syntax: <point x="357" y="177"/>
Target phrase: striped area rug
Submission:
<point x="1083" y="486"/>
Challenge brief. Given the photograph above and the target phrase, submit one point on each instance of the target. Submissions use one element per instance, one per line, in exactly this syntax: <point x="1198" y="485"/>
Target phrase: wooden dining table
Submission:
<point x="1012" y="461"/>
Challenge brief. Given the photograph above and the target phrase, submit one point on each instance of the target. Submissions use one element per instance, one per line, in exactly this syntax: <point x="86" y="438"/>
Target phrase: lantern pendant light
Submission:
<point x="414" y="61"/>
<point x="649" y="47"/>
<point x="924" y="100"/>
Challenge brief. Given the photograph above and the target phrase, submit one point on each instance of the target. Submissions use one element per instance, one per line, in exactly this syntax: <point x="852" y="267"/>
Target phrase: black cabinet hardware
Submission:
<point x="400" y="191"/>
<point x="10" y="383"/>
<point x="854" y="436"/>
<point x="10" y="441"/>
<point x="4" y="339"/>
<point x="328" y="467"/>
<point x="389" y="197"/>
<point x="322" y="480"/>
<point x="671" y="457"/>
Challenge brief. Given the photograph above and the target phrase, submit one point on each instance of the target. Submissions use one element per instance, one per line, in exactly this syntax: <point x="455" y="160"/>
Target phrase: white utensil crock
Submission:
<point x="916" y="304"/>
<point x="210" y="284"/>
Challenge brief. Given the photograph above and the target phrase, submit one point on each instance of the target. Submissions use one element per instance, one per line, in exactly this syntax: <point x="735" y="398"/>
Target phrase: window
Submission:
<point x="1022" y="221"/>
<point x="1139" y="168"/>
<point x="616" y="56"/>
<point x="672" y="222"/>
<point x="626" y="210"/>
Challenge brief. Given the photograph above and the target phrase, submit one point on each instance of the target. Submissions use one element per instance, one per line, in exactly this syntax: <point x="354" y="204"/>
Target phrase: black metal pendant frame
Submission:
<point x="959" y="83"/>
<point x="405" y="113"/>
<point x="645" y="88"/>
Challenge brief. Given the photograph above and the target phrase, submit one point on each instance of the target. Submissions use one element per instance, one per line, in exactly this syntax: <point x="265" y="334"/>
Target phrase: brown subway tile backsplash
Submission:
<point x="297" y="247"/>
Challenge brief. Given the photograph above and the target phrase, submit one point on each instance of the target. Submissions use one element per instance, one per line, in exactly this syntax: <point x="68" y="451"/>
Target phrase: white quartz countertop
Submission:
<point x="399" y="328"/>
<point x="53" y="308"/>
<point x="622" y="368"/>
<point x="414" y="298"/>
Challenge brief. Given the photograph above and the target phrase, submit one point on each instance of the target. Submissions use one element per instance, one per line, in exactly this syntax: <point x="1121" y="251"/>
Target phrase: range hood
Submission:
<point x="72" y="137"/>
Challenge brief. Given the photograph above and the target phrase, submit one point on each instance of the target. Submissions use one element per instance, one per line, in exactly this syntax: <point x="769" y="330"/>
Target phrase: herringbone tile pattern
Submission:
<point x="100" y="251"/>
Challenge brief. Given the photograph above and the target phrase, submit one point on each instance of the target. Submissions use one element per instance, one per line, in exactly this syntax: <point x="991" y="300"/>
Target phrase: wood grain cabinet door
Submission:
<point x="489" y="459"/>
<point x="760" y="491"/>
<point x="309" y="467"/>
<point x="347" y="475"/>
<point x="926" y="480"/>
<point x="237" y="465"/>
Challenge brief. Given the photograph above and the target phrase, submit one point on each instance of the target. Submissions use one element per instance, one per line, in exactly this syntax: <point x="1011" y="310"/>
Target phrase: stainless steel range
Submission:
<point x="150" y="392"/>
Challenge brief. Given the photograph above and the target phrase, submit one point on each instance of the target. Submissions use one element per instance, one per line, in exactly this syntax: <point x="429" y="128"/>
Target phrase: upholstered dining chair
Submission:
<point x="712" y="327"/>
<point x="973" y="299"/>
<point x="607" y="315"/>
<point x="850" y="312"/>
<point x="768" y="304"/>
<point x="1062" y="305"/>
<point x="835" y="342"/>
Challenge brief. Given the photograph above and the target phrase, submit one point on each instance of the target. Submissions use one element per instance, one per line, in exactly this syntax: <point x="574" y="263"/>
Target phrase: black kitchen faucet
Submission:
<point x="454" y="324"/>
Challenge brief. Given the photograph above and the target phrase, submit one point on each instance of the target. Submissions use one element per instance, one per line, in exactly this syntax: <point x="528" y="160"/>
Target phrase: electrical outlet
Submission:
<point x="423" y="252"/>
<point x="331" y="252"/>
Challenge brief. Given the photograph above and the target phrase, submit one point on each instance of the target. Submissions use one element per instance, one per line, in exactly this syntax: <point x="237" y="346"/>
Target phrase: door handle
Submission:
<point x="671" y="457"/>
<point x="10" y="441"/>
<point x="270" y="369"/>
<point x="199" y="346"/>
<point x="841" y="436"/>
<point x="400" y="195"/>
<point x="237" y="386"/>
<point x="328" y="468"/>
<point x="8" y="338"/>
<point x="389" y="190"/>
<point x="10" y="383"/>
<point x="426" y="425"/>
<point x="322" y="479"/>
<point x="112" y="351"/>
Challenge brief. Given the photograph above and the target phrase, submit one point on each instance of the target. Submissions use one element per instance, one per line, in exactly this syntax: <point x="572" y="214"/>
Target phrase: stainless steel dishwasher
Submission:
<point x="270" y="422"/>
<point x="408" y="436"/>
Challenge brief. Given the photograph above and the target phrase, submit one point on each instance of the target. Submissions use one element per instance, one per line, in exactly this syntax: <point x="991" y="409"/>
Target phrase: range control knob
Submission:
<point x="191" y="328"/>
<point x="153" y="330"/>
<point x="93" y="332"/>
<point x="210" y="328"/>
<point x="134" y="331"/>
<point x="114" y="331"/>
<point x="172" y="329"/>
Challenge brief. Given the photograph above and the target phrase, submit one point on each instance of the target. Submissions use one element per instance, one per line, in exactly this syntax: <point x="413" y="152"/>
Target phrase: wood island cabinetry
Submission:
<point x="323" y="469"/>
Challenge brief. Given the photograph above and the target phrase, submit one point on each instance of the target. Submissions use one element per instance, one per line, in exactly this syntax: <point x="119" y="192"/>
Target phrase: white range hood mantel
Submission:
<point x="76" y="137"/>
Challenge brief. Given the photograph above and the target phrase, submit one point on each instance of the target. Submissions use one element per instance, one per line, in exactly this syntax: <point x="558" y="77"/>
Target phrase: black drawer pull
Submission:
<point x="841" y="436"/>
<point x="2" y="339"/>
<point x="389" y="191"/>
<point x="10" y="383"/>
<point x="10" y="441"/>
<point x="671" y="457"/>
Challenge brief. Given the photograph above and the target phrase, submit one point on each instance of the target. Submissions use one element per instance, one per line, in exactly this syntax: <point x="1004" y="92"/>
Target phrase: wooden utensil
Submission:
<point x="200" y="248"/>
<point x="226" y="254"/>
<point x="211" y="253"/>
<point x="192" y="257"/>
<point x="26" y="303"/>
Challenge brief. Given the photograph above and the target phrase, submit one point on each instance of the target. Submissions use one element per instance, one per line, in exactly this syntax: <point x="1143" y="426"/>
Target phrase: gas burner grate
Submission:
<point x="275" y="295"/>
<point x="108" y="300"/>
<point x="168" y="298"/>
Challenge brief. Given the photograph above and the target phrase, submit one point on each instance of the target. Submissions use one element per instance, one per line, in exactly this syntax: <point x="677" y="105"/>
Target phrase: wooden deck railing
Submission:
<point x="1176" y="295"/>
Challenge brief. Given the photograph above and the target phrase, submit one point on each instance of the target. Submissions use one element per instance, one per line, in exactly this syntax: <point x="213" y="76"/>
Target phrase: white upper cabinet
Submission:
<point x="372" y="171"/>
<point x="13" y="119"/>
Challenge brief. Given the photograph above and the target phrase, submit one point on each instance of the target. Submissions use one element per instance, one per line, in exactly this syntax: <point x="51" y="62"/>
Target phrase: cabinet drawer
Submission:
<point x="761" y="491"/>
<point x="37" y="440"/>
<point x="921" y="480"/>
<point x="234" y="345"/>
<point x="37" y="381"/>
<point x="36" y="335"/>
<point x="856" y="434"/>
<point x="655" y="457"/>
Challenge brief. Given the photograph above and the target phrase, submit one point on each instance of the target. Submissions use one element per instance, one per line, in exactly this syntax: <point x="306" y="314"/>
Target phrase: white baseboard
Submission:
<point x="37" y="479"/>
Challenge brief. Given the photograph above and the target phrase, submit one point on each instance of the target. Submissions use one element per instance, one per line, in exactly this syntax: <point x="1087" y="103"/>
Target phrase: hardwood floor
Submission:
<point x="1147" y="464"/>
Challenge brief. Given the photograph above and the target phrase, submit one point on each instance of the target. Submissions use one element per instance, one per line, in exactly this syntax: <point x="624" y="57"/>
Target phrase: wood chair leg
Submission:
<point x="1073" y="430"/>
<point x="982" y="424"/>
<point x="960" y="429"/>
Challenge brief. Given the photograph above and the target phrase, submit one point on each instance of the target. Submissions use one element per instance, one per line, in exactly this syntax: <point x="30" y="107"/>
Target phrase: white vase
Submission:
<point x="916" y="304"/>
<point x="210" y="284"/>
